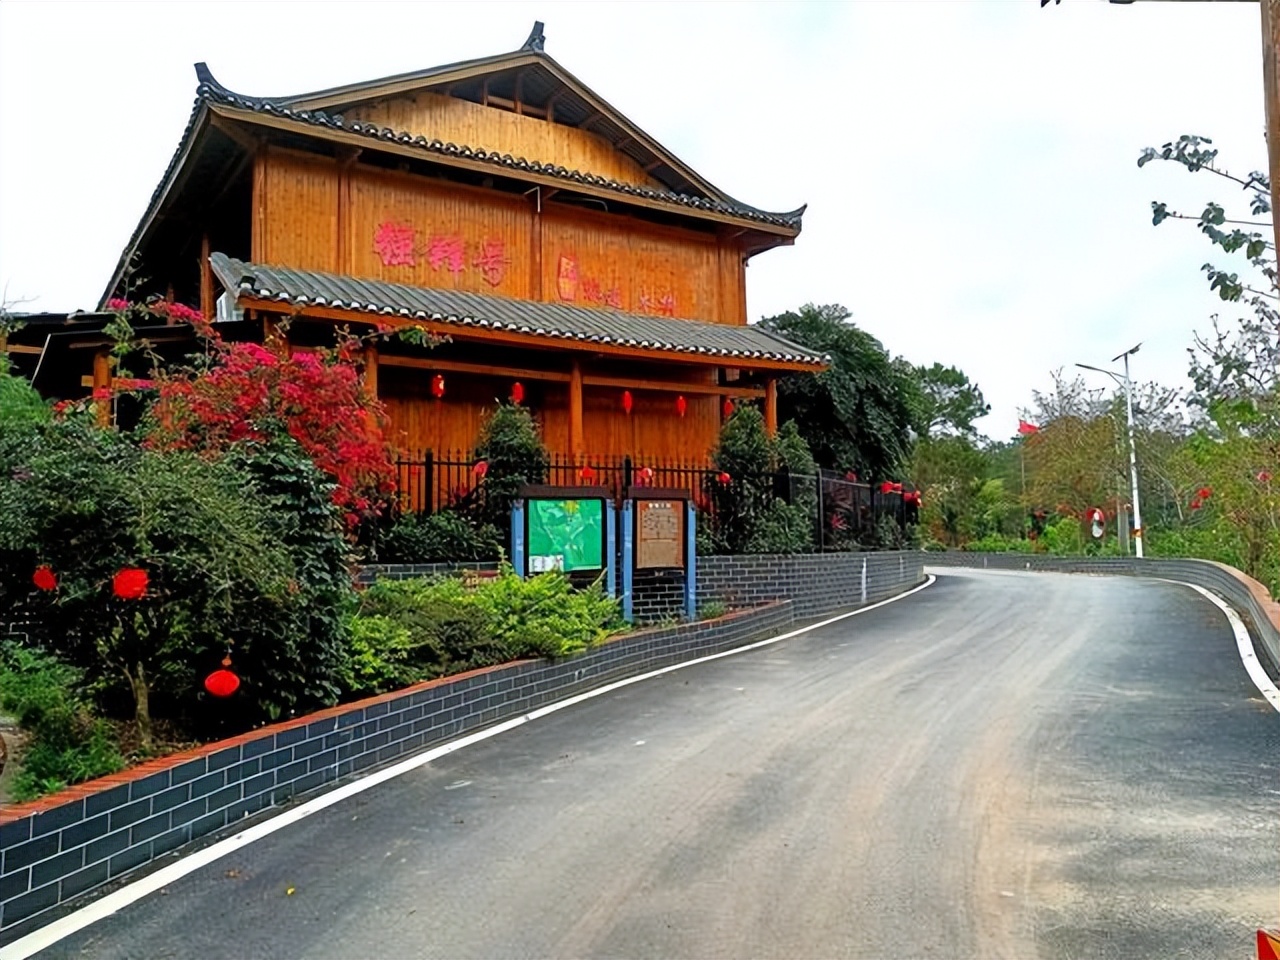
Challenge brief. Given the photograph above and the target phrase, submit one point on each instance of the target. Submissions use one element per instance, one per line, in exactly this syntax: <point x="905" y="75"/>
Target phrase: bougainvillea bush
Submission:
<point x="249" y="392"/>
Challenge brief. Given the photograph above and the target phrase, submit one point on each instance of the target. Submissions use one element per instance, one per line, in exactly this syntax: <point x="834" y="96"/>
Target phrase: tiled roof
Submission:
<point x="209" y="90"/>
<point x="554" y="321"/>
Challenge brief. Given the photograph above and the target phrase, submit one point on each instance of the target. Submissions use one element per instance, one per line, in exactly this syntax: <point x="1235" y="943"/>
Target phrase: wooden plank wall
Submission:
<point x="312" y="214"/>
<point x="470" y="124"/>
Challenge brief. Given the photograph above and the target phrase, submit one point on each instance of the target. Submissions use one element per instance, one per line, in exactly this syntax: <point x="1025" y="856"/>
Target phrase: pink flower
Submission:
<point x="1264" y="477"/>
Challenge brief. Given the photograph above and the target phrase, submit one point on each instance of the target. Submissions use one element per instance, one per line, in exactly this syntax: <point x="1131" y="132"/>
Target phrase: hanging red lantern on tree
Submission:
<point x="517" y="393"/>
<point x="437" y="386"/>
<point x="480" y="469"/>
<point x="587" y="473"/>
<point x="130" y="583"/>
<point x="681" y="405"/>
<point x="644" y="476"/>
<point x="627" y="401"/>
<point x="44" y="578"/>
<point x="222" y="682"/>
<point x="727" y="408"/>
<point x="724" y="478"/>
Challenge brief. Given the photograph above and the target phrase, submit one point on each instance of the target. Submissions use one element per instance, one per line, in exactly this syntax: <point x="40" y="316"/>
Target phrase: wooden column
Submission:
<point x="535" y="247"/>
<point x="371" y="370"/>
<point x="206" y="280"/>
<point x="771" y="407"/>
<point x="102" y="381"/>
<point x="576" y="445"/>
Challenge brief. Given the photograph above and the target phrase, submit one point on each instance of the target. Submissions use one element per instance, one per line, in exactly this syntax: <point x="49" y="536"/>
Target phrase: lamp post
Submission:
<point x="1125" y="382"/>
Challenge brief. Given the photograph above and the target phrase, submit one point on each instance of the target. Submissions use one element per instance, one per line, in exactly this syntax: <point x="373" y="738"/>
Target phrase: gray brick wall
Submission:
<point x="55" y="849"/>
<point x="817" y="583"/>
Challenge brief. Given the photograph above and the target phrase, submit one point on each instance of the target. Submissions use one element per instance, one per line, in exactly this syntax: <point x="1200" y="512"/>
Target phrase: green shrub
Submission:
<point x="380" y="655"/>
<point x="67" y="744"/>
<point x="750" y="517"/>
<point x="544" y="616"/>
<point x="446" y="535"/>
<point x="515" y="455"/>
<point x="448" y="630"/>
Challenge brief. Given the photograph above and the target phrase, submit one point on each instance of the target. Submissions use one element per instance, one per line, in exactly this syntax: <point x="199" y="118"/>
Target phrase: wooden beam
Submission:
<point x="577" y="443"/>
<point x="235" y="132"/>
<point x="672" y="386"/>
<point x="771" y="407"/>
<point x="477" y="369"/>
<point x="519" y="87"/>
<point x="258" y="227"/>
<point x="206" y="279"/>
<point x="459" y="332"/>
<point x="370" y="380"/>
<point x="102" y="381"/>
<point x="18" y="347"/>
<point x="590" y="120"/>
<point x="559" y="376"/>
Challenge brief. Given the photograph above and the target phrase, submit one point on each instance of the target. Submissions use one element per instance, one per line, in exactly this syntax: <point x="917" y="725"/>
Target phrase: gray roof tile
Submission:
<point x="554" y="321"/>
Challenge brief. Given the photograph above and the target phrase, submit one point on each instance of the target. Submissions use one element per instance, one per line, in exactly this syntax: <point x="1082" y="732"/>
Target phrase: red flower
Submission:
<point x="481" y="468"/>
<point x="102" y="393"/>
<point x="837" y="522"/>
<point x="724" y="478"/>
<point x="851" y="476"/>
<point x="130" y="583"/>
<point x="644" y="475"/>
<point x="1196" y="504"/>
<point x="44" y="578"/>
<point x="1204" y="493"/>
<point x="886" y="487"/>
<point x="1264" y="477"/>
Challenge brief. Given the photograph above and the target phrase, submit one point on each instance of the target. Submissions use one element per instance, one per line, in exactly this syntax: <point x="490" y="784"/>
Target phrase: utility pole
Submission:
<point x="1127" y="384"/>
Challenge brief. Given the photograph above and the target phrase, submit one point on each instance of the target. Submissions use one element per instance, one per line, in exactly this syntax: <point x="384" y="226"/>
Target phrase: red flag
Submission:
<point x="1025" y="428"/>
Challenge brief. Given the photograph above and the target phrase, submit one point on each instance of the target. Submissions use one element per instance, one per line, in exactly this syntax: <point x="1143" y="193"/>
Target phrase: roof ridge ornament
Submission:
<point x="537" y="40"/>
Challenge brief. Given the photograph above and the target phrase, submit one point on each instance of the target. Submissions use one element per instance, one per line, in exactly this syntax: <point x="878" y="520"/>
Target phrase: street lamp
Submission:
<point x="1133" y="451"/>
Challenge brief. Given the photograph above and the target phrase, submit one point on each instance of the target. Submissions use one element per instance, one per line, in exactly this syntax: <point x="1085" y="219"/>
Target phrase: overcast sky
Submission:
<point x="969" y="165"/>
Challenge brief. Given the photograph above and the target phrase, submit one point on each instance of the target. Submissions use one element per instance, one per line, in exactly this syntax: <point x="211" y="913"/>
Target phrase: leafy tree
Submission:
<point x="513" y="454"/>
<point x="950" y="402"/>
<point x="859" y="414"/>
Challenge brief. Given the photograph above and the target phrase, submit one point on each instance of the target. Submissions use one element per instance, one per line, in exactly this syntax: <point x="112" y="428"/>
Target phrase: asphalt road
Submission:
<point x="1003" y="765"/>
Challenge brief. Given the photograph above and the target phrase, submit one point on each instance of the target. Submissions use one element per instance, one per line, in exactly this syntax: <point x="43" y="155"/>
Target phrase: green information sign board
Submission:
<point x="566" y="535"/>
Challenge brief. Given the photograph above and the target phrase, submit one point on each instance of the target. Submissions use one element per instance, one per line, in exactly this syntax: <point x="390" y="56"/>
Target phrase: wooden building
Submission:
<point x="498" y="202"/>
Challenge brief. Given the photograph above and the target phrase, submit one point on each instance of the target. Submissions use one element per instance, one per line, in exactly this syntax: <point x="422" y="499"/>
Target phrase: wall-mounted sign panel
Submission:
<point x="659" y="533"/>
<point x="565" y="535"/>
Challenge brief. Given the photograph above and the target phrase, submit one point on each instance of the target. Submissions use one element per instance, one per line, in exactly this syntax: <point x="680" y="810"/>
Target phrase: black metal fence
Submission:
<point x="846" y="514"/>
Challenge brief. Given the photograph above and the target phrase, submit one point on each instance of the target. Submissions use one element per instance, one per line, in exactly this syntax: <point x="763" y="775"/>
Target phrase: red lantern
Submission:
<point x="851" y="476"/>
<point x="437" y="386"/>
<point x="681" y="405"/>
<point x="44" y="578"/>
<point x="480" y="469"/>
<point x="130" y="583"/>
<point x="724" y="478"/>
<point x="517" y="393"/>
<point x="627" y="401"/>
<point x="222" y="683"/>
<point x="727" y="408"/>
<point x="587" y="473"/>
<point x="886" y="487"/>
<point x="644" y="475"/>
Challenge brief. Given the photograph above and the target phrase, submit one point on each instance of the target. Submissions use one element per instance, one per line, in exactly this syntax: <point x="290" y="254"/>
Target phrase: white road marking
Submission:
<point x="113" y="902"/>
<point x="1243" y="643"/>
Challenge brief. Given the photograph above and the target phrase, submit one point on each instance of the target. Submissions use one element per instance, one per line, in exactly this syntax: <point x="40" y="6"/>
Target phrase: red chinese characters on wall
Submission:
<point x="573" y="288"/>
<point x="400" y="245"/>
<point x="394" y="243"/>
<point x="662" y="303"/>
<point x="446" y="250"/>
<point x="492" y="261"/>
